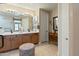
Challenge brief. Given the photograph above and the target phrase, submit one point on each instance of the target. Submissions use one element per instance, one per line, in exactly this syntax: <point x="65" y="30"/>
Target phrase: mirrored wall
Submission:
<point x="16" y="22"/>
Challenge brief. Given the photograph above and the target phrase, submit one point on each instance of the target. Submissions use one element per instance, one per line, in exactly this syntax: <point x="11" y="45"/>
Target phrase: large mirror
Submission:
<point x="55" y="23"/>
<point x="10" y="22"/>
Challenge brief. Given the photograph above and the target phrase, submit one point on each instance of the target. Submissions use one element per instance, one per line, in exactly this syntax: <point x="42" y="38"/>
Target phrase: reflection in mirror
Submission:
<point x="17" y="24"/>
<point x="21" y="22"/>
<point x="35" y="24"/>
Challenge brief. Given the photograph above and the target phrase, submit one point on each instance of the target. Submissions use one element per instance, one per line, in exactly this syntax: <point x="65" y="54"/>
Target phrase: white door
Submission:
<point x="44" y="16"/>
<point x="63" y="29"/>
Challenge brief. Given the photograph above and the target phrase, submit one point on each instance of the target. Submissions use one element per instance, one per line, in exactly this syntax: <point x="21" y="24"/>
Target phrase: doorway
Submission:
<point x="44" y="16"/>
<point x="48" y="33"/>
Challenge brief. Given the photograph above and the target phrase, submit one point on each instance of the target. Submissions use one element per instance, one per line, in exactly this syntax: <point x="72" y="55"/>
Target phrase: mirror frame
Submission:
<point x="54" y="23"/>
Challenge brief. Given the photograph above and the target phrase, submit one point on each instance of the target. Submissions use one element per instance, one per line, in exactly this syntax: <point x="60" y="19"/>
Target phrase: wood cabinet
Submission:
<point x="34" y="38"/>
<point x="14" y="41"/>
<point x="53" y="38"/>
<point x="7" y="44"/>
<point x="26" y="38"/>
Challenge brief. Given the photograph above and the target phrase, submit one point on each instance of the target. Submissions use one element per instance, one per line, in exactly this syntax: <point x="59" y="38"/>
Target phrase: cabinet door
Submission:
<point x="7" y="44"/>
<point x="35" y="38"/>
<point x="19" y="40"/>
<point x="16" y="41"/>
<point x="26" y="38"/>
<point x="13" y="42"/>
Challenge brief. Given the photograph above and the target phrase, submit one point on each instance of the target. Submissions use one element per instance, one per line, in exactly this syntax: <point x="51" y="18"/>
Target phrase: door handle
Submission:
<point x="66" y="38"/>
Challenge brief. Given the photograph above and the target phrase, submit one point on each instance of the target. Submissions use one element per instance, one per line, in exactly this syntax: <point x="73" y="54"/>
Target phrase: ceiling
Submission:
<point x="35" y="6"/>
<point x="31" y="6"/>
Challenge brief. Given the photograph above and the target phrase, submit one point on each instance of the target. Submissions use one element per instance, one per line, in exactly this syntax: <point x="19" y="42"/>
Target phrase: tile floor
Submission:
<point x="44" y="49"/>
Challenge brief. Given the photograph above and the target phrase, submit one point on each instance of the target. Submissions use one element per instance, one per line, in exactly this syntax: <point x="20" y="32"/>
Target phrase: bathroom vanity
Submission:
<point x="53" y="38"/>
<point x="14" y="40"/>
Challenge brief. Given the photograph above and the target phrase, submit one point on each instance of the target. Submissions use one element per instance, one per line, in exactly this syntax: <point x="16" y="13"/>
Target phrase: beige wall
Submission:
<point x="74" y="29"/>
<point x="53" y="13"/>
<point x="71" y="29"/>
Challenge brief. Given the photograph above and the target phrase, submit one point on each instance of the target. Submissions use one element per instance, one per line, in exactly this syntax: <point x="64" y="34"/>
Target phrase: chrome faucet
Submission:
<point x="11" y="31"/>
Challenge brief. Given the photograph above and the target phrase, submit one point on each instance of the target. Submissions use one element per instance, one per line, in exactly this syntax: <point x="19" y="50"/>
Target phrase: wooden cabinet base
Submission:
<point x="53" y="38"/>
<point x="7" y="44"/>
<point x="14" y="41"/>
<point x="34" y="38"/>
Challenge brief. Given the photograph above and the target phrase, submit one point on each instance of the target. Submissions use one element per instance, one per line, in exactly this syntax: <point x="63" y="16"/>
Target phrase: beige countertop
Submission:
<point x="15" y="33"/>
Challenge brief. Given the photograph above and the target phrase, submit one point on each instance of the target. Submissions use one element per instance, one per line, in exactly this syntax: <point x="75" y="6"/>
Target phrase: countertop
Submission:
<point x="15" y="33"/>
